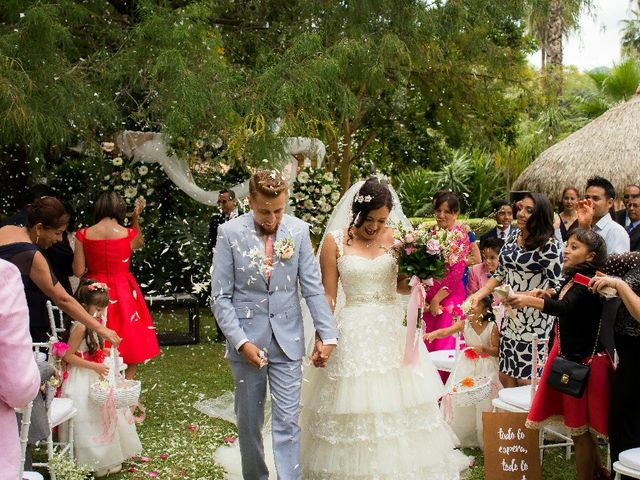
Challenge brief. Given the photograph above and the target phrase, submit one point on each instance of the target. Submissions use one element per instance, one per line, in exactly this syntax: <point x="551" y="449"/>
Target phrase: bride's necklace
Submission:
<point x="366" y="243"/>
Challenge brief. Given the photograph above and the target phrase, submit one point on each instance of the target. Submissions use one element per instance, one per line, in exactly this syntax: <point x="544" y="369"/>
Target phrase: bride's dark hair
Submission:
<point x="374" y="194"/>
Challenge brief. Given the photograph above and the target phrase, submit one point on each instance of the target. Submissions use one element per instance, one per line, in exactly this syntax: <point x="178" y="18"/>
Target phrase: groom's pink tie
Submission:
<point x="268" y="251"/>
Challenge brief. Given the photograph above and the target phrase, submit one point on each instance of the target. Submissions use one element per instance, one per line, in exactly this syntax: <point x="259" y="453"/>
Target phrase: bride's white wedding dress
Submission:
<point x="367" y="415"/>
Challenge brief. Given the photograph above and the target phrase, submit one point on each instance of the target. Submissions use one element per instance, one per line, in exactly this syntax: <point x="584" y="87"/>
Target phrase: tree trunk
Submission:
<point x="553" y="41"/>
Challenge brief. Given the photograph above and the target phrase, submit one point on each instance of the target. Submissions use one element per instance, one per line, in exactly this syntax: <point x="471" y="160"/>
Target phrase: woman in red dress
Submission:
<point x="575" y="338"/>
<point x="103" y="252"/>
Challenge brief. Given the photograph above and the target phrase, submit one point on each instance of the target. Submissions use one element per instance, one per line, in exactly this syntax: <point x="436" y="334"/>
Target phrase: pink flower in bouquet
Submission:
<point x="433" y="247"/>
<point x="59" y="349"/>
<point x="409" y="250"/>
<point x="409" y="238"/>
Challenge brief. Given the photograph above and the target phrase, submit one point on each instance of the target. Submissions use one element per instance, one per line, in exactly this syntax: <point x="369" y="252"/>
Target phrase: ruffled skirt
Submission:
<point x="369" y="416"/>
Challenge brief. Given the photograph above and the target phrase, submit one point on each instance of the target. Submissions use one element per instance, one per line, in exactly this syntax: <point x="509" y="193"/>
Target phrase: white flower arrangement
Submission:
<point x="315" y="193"/>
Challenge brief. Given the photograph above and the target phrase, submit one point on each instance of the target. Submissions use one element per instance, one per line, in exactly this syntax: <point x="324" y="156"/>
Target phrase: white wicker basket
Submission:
<point x="125" y="392"/>
<point x="466" y="396"/>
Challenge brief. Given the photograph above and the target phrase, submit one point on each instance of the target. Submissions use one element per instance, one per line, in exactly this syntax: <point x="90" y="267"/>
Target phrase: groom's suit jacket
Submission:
<point x="248" y="306"/>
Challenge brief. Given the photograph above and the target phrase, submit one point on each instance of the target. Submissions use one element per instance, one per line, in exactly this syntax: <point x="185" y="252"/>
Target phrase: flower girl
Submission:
<point x="479" y="359"/>
<point x="103" y="438"/>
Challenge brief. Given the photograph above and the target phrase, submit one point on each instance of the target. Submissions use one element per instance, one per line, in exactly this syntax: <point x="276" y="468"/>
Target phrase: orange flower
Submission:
<point x="467" y="382"/>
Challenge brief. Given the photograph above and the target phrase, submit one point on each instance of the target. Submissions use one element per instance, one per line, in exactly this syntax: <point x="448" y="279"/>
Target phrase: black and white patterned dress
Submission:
<point x="526" y="270"/>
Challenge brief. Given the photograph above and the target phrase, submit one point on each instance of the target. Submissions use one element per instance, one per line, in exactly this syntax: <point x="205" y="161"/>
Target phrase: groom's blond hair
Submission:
<point x="270" y="183"/>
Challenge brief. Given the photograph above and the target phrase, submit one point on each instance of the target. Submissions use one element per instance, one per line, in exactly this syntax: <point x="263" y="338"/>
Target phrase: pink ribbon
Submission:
<point x="109" y="419"/>
<point x="416" y="302"/>
<point x="447" y="407"/>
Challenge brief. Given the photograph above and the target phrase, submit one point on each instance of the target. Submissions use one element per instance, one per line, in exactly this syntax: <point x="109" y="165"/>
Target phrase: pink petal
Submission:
<point x="192" y="427"/>
<point x="133" y="469"/>
<point x="144" y="459"/>
<point x="164" y="456"/>
<point x="152" y="473"/>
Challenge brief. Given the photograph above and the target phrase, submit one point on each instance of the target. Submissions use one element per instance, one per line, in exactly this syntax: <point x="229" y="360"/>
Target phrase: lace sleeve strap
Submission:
<point x="338" y="237"/>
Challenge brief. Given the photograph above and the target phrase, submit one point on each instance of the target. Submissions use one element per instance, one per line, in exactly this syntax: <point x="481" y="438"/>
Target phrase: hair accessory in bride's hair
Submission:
<point x="363" y="198"/>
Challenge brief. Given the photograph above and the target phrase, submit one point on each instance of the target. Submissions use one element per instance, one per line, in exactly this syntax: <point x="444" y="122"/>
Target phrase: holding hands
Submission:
<point x="321" y="353"/>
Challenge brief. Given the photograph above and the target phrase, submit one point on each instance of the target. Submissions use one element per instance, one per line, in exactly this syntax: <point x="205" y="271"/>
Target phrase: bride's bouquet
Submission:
<point x="426" y="252"/>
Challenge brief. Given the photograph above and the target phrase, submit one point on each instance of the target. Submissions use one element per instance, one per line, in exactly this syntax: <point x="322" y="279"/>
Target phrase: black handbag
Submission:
<point x="568" y="377"/>
<point x="565" y="375"/>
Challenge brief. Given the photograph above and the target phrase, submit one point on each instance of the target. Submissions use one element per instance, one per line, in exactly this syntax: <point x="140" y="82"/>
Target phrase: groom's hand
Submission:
<point x="325" y="353"/>
<point x="251" y="353"/>
<point x="321" y="354"/>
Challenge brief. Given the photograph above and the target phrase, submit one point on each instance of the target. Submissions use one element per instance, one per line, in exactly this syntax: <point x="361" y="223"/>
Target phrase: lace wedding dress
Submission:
<point x="367" y="415"/>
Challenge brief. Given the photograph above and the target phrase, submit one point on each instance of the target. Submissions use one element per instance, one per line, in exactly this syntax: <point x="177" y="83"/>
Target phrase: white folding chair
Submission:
<point x="61" y="411"/>
<point x="24" y="440"/>
<point x="519" y="400"/>
<point x="445" y="360"/>
<point x="628" y="464"/>
<point x="56" y="319"/>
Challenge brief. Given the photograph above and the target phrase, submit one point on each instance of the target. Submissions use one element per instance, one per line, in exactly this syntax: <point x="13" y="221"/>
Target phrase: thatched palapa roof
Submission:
<point x="608" y="146"/>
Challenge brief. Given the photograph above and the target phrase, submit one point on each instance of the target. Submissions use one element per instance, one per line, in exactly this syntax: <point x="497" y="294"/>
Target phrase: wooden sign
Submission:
<point x="511" y="450"/>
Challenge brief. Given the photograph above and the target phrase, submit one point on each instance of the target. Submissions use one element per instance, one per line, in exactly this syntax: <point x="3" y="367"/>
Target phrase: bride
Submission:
<point x="366" y="415"/>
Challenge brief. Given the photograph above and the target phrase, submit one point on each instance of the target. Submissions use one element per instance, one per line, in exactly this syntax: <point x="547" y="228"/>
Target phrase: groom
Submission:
<point x="260" y="260"/>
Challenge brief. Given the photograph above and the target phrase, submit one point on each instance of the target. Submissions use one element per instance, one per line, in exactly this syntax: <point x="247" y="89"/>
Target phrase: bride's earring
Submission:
<point x="37" y="239"/>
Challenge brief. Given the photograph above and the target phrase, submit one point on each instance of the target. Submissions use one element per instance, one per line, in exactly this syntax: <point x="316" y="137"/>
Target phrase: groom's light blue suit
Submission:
<point x="249" y="306"/>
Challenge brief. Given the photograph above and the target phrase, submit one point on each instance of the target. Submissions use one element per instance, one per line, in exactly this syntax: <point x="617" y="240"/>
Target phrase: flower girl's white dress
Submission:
<point x="93" y="445"/>
<point x="367" y="415"/>
<point x="467" y="421"/>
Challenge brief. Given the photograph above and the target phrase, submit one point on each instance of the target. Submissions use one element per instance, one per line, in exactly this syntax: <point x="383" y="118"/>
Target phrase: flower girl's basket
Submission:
<point x="469" y="390"/>
<point x="125" y="392"/>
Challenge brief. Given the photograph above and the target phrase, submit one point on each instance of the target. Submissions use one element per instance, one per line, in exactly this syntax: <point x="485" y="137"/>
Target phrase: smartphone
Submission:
<point x="581" y="279"/>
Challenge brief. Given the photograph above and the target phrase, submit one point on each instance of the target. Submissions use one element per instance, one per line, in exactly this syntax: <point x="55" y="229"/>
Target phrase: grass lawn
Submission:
<point x="178" y="377"/>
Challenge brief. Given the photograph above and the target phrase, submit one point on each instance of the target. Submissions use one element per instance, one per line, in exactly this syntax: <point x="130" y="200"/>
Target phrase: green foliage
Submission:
<point x="415" y="189"/>
<point x="631" y="33"/>
<point x="472" y="175"/>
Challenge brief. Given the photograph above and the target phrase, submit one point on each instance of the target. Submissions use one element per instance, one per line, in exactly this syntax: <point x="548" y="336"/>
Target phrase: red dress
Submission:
<point x="108" y="262"/>
<point x="579" y="415"/>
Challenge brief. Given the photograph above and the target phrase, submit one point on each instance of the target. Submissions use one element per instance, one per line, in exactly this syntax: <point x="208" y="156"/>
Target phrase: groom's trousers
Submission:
<point x="285" y="379"/>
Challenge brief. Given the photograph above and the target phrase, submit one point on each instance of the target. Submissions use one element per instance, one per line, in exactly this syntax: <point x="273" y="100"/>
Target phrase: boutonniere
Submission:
<point x="284" y="248"/>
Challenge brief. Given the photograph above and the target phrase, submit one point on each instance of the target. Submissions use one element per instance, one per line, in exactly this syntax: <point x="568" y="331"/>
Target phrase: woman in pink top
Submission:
<point x="19" y="376"/>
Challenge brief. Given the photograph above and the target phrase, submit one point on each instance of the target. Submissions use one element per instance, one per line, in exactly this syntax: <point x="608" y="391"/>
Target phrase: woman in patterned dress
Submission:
<point x="530" y="259"/>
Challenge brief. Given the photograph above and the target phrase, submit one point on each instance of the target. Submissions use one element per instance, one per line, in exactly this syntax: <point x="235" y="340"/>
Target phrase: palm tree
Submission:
<point x="631" y="33"/>
<point x="549" y="22"/>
